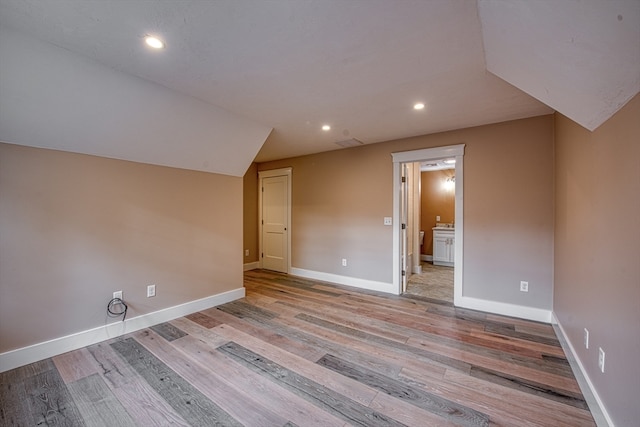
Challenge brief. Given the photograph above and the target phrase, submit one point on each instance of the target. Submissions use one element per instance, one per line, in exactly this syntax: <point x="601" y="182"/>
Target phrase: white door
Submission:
<point x="275" y="223"/>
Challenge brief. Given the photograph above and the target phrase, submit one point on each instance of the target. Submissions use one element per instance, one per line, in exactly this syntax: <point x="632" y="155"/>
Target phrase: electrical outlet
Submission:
<point x="151" y="291"/>
<point x="524" y="286"/>
<point x="117" y="294"/>
<point x="246" y="252"/>
<point x="586" y="338"/>
<point x="437" y="218"/>
<point x="601" y="359"/>
<point x="344" y="262"/>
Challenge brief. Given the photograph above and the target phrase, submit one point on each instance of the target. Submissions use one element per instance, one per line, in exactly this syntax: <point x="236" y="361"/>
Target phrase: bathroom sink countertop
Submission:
<point x="444" y="226"/>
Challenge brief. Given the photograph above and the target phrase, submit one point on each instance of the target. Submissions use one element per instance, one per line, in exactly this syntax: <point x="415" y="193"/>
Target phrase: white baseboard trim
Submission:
<point x="596" y="406"/>
<point x="428" y="258"/>
<point x="251" y="266"/>
<point x="33" y="353"/>
<point x="371" y="285"/>
<point x="505" y="309"/>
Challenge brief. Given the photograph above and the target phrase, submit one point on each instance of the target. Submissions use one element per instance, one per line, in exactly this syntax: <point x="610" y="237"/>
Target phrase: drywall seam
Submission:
<point x="33" y="353"/>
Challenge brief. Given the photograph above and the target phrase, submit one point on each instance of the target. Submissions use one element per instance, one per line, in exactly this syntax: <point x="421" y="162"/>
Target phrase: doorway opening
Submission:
<point x="431" y="274"/>
<point x="406" y="234"/>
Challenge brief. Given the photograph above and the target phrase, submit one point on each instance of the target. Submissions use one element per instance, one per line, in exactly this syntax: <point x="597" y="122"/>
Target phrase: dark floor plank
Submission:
<point x="427" y="299"/>
<point x="270" y="404"/>
<point x="168" y="331"/>
<point x="343" y="317"/>
<point x="290" y="338"/>
<point x="506" y="406"/>
<point x="457" y="364"/>
<point x="511" y="332"/>
<point x="97" y="404"/>
<point x="50" y="401"/>
<point x="315" y="393"/>
<point x="140" y="400"/>
<point x="188" y="401"/>
<point x="14" y="402"/>
<point x="532" y="387"/>
<point x="444" y="408"/>
<point x="296" y="345"/>
<point x="308" y="285"/>
<point x="243" y="310"/>
<point x="187" y="357"/>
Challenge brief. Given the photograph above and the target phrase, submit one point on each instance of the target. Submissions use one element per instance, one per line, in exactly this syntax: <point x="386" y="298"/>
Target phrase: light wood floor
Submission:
<point x="299" y="352"/>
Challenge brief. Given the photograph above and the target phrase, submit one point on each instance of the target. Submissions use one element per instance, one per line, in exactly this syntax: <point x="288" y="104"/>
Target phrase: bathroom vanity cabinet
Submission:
<point x="443" y="246"/>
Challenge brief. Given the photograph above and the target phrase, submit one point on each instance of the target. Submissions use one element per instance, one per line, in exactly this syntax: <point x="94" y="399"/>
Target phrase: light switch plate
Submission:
<point x="388" y="220"/>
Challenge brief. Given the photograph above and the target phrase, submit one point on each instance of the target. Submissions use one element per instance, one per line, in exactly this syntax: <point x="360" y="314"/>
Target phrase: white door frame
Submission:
<point x="425" y="154"/>
<point x="269" y="174"/>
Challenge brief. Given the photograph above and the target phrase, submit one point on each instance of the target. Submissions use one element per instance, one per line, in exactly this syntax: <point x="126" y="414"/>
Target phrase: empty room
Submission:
<point x="318" y="213"/>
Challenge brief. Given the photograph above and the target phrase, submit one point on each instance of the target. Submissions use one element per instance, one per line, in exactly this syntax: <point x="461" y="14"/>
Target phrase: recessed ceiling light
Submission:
<point x="326" y="128"/>
<point x="154" y="42"/>
<point x="418" y="106"/>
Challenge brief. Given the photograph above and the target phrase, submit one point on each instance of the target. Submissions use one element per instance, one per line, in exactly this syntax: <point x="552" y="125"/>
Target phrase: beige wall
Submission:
<point x="597" y="252"/>
<point x="340" y="199"/>
<point x="250" y="213"/>
<point x="75" y="228"/>
<point x="435" y="200"/>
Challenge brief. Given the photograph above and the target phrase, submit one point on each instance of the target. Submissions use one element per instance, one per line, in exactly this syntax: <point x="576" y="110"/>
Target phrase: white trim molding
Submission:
<point x="371" y="285"/>
<point x="505" y="309"/>
<point x="435" y="153"/>
<point x="251" y="266"/>
<point x="33" y="353"/>
<point x="596" y="406"/>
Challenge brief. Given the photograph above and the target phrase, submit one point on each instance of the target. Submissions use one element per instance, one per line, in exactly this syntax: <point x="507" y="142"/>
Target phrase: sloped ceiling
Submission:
<point x="581" y="58"/>
<point x="52" y="98"/>
<point x="78" y="78"/>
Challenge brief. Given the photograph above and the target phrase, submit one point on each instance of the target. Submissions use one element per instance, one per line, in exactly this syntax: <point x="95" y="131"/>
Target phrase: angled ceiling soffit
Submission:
<point x="580" y="58"/>
<point x="53" y="98"/>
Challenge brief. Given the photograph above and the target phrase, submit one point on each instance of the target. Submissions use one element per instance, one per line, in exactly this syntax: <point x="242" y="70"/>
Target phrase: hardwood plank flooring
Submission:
<point x="297" y="352"/>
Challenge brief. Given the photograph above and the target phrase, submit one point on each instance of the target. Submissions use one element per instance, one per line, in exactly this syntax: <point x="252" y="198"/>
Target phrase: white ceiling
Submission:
<point x="232" y="70"/>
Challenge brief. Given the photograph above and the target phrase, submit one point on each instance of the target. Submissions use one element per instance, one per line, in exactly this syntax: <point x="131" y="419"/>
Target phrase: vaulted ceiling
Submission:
<point x="246" y="80"/>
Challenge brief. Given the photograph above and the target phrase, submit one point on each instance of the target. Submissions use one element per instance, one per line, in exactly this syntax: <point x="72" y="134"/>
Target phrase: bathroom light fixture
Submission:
<point x="154" y="42"/>
<point x="449" y="161"/>
<point x="450" y="183"/>
<point x="418" y="106"/>
<point x="326" y="128"/>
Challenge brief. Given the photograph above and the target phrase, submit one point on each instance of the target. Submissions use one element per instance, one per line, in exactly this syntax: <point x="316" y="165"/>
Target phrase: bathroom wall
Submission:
<point x="436" y="199"/>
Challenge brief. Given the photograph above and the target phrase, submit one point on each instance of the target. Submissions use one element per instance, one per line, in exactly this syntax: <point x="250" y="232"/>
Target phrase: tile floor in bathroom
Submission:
<point x="435" y="282"/>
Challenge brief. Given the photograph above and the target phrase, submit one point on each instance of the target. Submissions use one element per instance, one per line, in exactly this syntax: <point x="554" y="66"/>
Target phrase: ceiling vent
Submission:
<point x="349" y="143"/>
